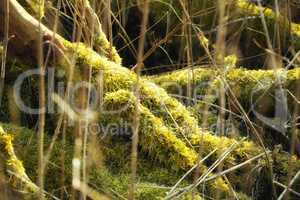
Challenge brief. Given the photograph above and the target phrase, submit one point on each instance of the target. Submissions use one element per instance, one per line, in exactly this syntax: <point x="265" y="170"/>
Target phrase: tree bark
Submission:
<point x="24" y="33"/>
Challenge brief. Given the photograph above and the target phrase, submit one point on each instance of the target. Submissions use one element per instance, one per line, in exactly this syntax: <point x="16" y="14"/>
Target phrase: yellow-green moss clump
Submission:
<point x="250" y="87"/>
<point x="106" y="180"/>
<point x="168" y="132"/>
<point x="156" y="140"/>
<point x="14" y="169"/>
<point x="247" y="9"/>
<point x="104" y="47"/>
<point x="257" y="91"/>
<point x="161" y="143"/>
<point x="34" y="7"/>
<point x="116" y="77"/>
<point x="157" y="144"/>
<point x="247" y="85"/>
<point x="165" y="130"/>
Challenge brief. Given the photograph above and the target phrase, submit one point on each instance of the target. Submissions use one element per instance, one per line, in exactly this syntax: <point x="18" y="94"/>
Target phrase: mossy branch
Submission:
<point x="116" y="78"/>
<point x="247" y="9"/>
<point x="244" y="83"/>
<point x="259" y="92"/>
<point x="15" y="172"/>
<point x="169" y="134"/>
<point x="34" y="7"/>
<point x="94" y="30"/>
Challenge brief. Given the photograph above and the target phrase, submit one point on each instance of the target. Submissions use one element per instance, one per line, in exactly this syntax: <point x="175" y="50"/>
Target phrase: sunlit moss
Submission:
<point x="116" y="77"/>
<point x="104" y="46"/>
<point x="253" y="89"/>
<point x="163" y="118"/>
<point x="18" y="178"/>
<point x="34" y="7"/>
<point x="173" y="113"/>
<point x="26" y="145"/>
<point x="245" y="84"/>
<point x="250" y="9"/>
<point x="156" y="139"/>
<point x="253" y="9"/>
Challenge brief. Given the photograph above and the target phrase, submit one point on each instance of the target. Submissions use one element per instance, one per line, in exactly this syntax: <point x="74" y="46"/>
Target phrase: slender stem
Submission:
<point x="5" y="44"/>
<point x="42" y="103"/>
<point x="136" y="123"/>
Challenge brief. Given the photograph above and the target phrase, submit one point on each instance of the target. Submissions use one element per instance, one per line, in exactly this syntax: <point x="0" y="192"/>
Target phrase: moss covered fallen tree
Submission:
<point x="246" y="85"/>
<point x="259" y="93"/>
<point x="156" y="180"/>
<point x="250" y="87"/>
<point x="288" y="29"/>
<point x="101" y="178"/>
<point x="15" y="173"/>
<point x="169" y="133"/>
<point x="115" y="78"/>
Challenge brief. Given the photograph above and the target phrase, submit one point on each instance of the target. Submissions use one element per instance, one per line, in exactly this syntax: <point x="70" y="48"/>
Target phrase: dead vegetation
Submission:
<point x="110" y="132"/>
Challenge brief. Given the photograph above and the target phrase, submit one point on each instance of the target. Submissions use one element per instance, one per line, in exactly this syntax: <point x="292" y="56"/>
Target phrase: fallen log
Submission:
<point x="173" y="139"/>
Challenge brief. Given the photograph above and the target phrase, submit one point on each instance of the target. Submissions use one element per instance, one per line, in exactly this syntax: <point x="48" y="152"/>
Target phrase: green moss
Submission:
<point x="153" y="178"/>
<point x="249" y="9"/>
<point x="243" y="151"/>
<point x="255" y="90"/>
<point x="156" y="138"/>
<point x="26" y="146"/>
<point x="15" y="171"/>
<point x="104" y="47"/>
<point x="247" y="85"/>
<point x="157" y="126"/>
<point x="169" y="13"/>
<point x="163" y="122"/>
<point x="34" y="7"/>
<point x="154" y="98"/>
<point x="172" y="112"/>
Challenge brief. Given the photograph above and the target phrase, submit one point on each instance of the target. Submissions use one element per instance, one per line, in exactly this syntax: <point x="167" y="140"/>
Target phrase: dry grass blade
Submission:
<point x="130" y="137"/>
